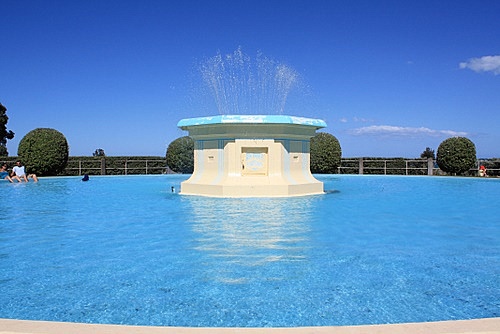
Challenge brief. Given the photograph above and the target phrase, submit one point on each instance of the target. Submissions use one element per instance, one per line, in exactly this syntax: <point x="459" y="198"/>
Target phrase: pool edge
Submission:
<point x="483" y="326"/>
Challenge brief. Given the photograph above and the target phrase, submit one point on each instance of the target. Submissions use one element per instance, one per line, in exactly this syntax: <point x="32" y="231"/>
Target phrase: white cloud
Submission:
<point x="355" y="119"/>
<point x="361" y="119"/>
<point x="483" y="64"/>
<point x="389" y="130"/>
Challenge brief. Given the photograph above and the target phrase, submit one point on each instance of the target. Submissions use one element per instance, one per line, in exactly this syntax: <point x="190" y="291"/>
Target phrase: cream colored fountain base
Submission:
<point x="251" y="156"/>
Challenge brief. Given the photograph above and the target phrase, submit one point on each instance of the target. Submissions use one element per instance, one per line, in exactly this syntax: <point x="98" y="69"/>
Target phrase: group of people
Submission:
<point x="18" y="173"/>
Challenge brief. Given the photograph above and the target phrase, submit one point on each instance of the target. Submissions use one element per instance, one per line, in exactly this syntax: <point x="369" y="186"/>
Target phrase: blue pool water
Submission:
<point x="374" y="249"/>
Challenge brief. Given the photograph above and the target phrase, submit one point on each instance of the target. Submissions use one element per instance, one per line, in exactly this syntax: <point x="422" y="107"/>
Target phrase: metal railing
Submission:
<point x="387" y="166"/>
<point x="115" y="166"/>
<point x="380" y="166"/>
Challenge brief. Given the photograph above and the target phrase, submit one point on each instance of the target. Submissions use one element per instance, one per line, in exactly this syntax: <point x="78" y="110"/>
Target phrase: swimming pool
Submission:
<point x="373" y="250"/>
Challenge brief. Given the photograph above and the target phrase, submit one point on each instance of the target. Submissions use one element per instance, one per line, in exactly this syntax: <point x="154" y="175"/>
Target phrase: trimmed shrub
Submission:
<point x="456" y="155"/>
<point x="44" y="151"/>
<point x="180" y="155"/>
<point x="325" y="154"/>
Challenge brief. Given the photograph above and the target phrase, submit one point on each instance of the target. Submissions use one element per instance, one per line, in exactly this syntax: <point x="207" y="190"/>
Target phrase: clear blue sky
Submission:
<point x="390" y="78"/>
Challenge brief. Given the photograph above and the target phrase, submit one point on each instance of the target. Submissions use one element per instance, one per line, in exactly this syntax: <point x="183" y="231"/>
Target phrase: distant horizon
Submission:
<point x="164" y="156"/>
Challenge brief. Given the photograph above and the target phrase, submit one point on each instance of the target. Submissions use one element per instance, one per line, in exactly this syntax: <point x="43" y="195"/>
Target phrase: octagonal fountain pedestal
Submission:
<point x="251" y="156"/>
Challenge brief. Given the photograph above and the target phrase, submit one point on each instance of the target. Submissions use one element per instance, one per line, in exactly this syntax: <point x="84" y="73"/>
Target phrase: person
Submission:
<point x="4" y="174"/>
<point x="19" y="172"/>
<point x="85" y="177"/>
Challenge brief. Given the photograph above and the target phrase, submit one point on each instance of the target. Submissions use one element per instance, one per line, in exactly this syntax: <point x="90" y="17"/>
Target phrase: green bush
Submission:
<point x="456" y="155"/>
<point x="180" y="155"/>
<point x="44" y="151"/>
<point x="325" y="154"/>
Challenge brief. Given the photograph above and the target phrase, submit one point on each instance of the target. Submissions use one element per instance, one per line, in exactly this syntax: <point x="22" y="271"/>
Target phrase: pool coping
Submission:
<point x="477" y="326"/>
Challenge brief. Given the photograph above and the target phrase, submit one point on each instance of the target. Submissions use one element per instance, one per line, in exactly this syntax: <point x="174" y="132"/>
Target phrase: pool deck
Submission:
<point x="477" y="326"/>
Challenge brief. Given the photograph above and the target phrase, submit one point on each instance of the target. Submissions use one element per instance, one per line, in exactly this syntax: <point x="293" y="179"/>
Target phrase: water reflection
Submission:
<point x="249" y="239"/>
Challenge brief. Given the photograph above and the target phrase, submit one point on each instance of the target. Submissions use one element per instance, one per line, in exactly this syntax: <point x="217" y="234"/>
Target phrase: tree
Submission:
<point x="456" y="155"/>
<point x="4" y="134"/>
<point x="44" y="151"/>
<point x="325" y="153"/>
<point x="428" y="153"/>
<point x="99" y="153"/>
<point x="180" y="155"/>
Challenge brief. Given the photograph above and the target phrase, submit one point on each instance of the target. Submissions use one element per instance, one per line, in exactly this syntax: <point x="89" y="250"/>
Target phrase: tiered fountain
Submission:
<point x="238" y="154"/>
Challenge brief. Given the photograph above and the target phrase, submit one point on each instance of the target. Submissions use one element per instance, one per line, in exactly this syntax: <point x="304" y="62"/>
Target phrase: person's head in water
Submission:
<point x="85" y="177"/>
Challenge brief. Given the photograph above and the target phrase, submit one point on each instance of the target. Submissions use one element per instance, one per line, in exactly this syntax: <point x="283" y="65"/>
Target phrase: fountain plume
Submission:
<point x="244" y="85"/>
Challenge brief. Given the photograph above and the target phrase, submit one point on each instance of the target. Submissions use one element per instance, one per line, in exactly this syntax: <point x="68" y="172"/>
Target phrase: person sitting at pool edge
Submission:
<point x="4" y="174"/>
<point x="20" y="172"/>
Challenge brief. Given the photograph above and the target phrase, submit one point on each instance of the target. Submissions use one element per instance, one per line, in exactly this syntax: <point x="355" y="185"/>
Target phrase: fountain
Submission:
<point x="250" y="155"/>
